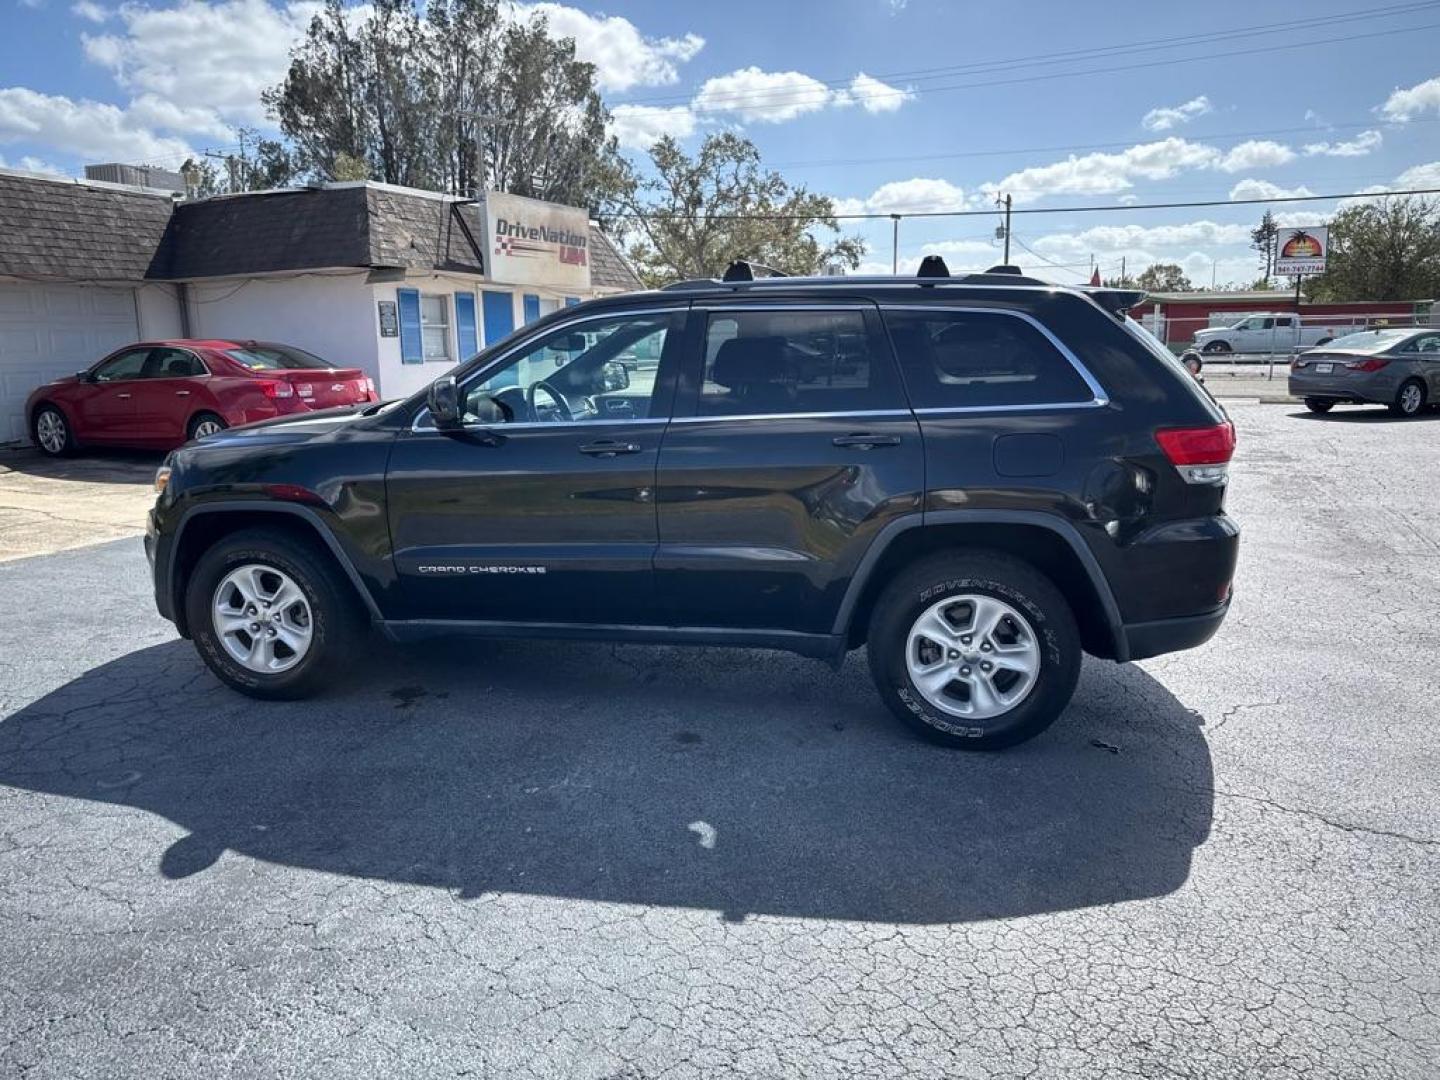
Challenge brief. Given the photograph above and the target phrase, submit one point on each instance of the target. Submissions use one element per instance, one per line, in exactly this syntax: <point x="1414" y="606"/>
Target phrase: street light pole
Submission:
<point x="895" y="244"/>
<point x="1007" y="229"/>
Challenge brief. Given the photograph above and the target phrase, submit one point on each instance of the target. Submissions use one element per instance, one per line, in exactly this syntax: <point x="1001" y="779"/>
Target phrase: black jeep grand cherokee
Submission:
<point x="976" y="478"/>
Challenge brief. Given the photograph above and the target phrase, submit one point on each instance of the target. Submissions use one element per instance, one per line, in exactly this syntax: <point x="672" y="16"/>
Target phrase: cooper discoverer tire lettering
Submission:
<point x="992" y="609"/>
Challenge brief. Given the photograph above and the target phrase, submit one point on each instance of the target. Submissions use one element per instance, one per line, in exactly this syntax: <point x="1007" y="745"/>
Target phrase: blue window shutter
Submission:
<point x="412" y="348"/>
<point x="499" y="316"/>
<point x="572" y="301"/>
<point x="532" y="307"/>
<point x="465" y="324"/>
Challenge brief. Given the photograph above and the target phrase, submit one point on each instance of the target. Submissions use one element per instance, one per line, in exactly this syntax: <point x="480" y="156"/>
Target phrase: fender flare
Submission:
<point x="1057" y="525"/>
<point x="268" y="506"/>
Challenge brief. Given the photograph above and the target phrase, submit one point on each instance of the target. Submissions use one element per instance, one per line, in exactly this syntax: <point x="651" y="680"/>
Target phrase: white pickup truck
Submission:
<point x="1266" y="332"/>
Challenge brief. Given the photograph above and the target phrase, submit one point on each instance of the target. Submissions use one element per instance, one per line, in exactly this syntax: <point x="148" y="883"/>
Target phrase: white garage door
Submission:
<point x="50" y="330"/>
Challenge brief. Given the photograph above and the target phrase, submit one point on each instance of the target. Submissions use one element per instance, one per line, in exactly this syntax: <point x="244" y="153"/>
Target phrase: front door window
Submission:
<point x="600" y="369"/>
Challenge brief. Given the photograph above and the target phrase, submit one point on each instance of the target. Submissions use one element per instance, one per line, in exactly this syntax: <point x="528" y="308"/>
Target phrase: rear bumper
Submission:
<point x="1377" y="388"/>
<point x="1172" y="635"/>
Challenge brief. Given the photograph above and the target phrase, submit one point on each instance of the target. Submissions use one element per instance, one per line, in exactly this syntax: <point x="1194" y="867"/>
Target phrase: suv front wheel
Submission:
<point x="270" y="616"/>
<point x="974" y="649"/>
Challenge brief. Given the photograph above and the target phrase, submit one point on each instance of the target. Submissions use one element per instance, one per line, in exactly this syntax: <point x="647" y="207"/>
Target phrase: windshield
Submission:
<point x="1368" y="340"/>
<point x="277" y="358"/>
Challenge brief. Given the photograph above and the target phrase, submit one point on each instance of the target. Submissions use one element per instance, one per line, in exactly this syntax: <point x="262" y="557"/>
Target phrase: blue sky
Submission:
<point x="885" y="105"/>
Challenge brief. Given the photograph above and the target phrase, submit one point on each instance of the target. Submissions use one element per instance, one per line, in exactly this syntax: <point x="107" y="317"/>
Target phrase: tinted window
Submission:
<point x="127" y="365"/>
<point x="276" y="358"/>
<point x="965" y="359"/>
<point x="173" y="364"/>
<point x="766" y="362"/>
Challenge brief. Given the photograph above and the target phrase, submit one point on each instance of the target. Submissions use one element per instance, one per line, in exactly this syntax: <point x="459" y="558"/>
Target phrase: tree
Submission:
<point x="1163" y="277"/>
<point x="451" y="100"/>
<point x="695" y="214"/>
<point x="260" y="164"/>
<point x="1383" y="250"/>
<point x="1262" y="239"/>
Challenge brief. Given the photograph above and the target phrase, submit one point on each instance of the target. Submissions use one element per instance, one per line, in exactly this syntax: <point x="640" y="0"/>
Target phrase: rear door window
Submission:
<point x="980" y="359"/>
<point x="773" y="362"/>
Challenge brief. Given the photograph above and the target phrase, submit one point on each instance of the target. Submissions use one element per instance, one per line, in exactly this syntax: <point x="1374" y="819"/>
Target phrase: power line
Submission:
<point x="783" y="96"/>
<point x="1124" y="143"/>
<point x="1104" y="208"/>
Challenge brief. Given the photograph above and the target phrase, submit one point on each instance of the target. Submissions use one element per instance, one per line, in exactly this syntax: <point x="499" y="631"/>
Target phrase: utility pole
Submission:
<point x="1005" y="202"/>
<point x="483" y="121"/>
<point x="895" y="244"/>
<point x="1122" y="271"/>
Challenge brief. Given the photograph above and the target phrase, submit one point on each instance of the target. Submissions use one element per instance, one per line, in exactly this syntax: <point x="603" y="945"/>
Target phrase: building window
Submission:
<point x="435" y="327"/>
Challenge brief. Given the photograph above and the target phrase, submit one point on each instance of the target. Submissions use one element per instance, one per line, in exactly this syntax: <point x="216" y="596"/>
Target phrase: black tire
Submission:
<point x="1406" y="404"/>
<point x="1192" y="362"/>
<point x="201" y="418"/>
<point x="1318" y="405"/>
<point x="1216" y="347"/>
<point x="336" y="620"/>
<point x="53" y="414"/>
<point x="986" y="573"/>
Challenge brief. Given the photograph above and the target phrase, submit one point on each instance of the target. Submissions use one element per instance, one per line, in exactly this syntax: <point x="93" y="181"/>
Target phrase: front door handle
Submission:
<point x="866" y="440"/>
<point x="609" y="448"/>
<point x="122" y="396"/>
<point x="182" y="393"/>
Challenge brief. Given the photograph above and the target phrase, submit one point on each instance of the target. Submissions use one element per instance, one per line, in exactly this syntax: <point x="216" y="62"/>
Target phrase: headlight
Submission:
<point x="162" y="478"/>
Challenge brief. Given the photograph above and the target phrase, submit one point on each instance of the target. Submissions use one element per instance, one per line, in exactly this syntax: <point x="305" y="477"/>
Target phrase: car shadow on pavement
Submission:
<point x="1377" y="415"/>
<point x="110" y="466"/>
<point x="742" y="782"/>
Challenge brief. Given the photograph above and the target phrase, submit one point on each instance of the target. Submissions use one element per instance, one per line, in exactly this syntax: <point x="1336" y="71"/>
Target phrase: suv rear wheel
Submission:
<point x="270" y="617"/>
<point x="974" y="649"/>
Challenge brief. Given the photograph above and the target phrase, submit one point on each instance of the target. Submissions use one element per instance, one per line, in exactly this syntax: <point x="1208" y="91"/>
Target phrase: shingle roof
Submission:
<point x="72" y="230"/>
<point x="65" y="229"/>
<point x="608" y="269"/>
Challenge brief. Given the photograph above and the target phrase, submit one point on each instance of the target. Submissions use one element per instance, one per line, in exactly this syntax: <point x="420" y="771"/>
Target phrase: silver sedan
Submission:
<point x="1399" y="368"/>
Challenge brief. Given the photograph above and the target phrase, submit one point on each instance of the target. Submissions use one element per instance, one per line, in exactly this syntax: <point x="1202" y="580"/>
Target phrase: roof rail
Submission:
<point x="741" y="270"/>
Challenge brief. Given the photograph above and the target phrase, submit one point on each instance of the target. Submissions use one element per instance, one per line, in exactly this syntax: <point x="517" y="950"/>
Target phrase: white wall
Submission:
<point x="157" y="312"/>
<point x="330" y="314"/>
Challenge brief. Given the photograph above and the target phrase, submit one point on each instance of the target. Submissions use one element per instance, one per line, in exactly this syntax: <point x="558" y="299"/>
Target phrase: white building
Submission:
<point x="399" y="282"/>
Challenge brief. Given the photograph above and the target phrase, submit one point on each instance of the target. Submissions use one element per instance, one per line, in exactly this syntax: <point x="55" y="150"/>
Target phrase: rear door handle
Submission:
<point x="182" y="393"/>
<point x="609" y="448"/>
<point x="866" y="440"/>
<point x="122" y="396"/>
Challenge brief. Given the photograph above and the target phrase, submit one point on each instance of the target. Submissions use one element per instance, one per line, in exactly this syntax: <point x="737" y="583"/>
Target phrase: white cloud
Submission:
<point x="1251" y="188"/>
<point x="961" y="247"/>
<point x="152" y="111"/>
<point x="768" y="96"/>
<point x="1107" y="174"/>
<point x="89" y="11"/>
<point x="1420" y="176"/>
<point x="1129" y="237"/>
<point x="1406" y="104"/>
<point x="917" y="195"/>
<point x="1255" y="154"/>
<point x="1166" y="117"/>
<point x="1299" y="219"/>
<point x="638" y="127"/>
<point x="873" y="96"/>
<point x="87" y="129"/>
<point x="623" y="57"/>
<point x="1359" y="146"/>
<point x="246" y="45"/>
<point x="29" y="163"/>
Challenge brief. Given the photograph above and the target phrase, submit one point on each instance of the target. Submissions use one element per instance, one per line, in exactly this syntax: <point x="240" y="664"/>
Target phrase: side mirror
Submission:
<point x="614" y="376"/>
<point x="443" y="401"/>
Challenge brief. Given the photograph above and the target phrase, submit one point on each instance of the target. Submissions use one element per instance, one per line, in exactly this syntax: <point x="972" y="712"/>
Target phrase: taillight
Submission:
<point x="1297" y="363"/>
<point x="273" y="388"/>
<point x="1373" y="363"/>
<point x="1202" y="454"/>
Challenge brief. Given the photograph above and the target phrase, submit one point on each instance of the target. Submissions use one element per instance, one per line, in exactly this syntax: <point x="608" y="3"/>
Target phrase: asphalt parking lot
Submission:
<point x="560" y="859"/>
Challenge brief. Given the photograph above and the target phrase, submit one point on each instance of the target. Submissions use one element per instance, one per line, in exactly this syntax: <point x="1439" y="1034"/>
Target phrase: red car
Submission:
<point x="160" y="394"/>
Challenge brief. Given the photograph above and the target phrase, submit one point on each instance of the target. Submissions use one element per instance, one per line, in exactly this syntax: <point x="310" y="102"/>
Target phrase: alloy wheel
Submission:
<point x="207" y="427"/>
<point x="262" y="619"/>
<point x="973" y="656"/>
<point x="1410" y="399"/>
<point x="50" y="431"/>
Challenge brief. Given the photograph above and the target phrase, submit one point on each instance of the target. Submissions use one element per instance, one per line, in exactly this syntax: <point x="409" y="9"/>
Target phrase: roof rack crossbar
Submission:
<point x="744" y="270"/>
